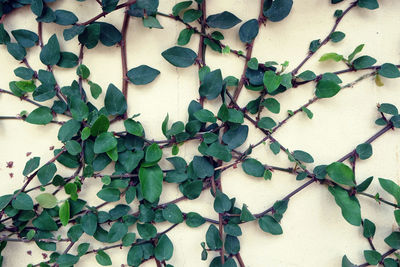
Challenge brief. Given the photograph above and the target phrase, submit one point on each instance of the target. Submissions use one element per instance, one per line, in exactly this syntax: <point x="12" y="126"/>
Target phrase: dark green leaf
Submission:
<point x="269" y="225"/>
<point x="64" y="17"/>
<point x="45" y="222"/>
<point x="349" y="205"/>
<point x="373" y="257"/>
<point x="191" y="15"/>
<point x="37" y="7"/>
<point x="337" y="36"/>
<point x="22" y="202"/>
<point x="179" y="56"/>
<point x="104" y="142"/>
<point x="326" y="89"/>
<point x="266" y="123"/>
<point x="248" y="31"/>
<point x="180" y="6"/>
<point x="100" y="125"/>
<point x="364" y="185"/>
<point x="224" y="20"/>
<point x="278" y="10"/>
<point x="109" y="35"/>
<point x="31" y="165"/>
<point x="202" y="167"/>
<point x="219" y="151"/>
<point x="115" y="102"/>
<point x="369" y="228"/>
<point x="369" y="4"/>
<point x="235" y="137"/>
<point x="89" y="223"/>
<point x="212" y="238"/>
<point x="67" y="259"/>
<point x="222" y="202"/>
<point x="142" y="75"/>
<point x="393" y="240"/>
<point x="172" y="214"/>
<point x="25" y="38"/>
<point x="389" y="70"/>
<point x="16" y="50"/>
<point x="184" y="36"/>
<point x="271" y="81"/>
<point x="363" y="62"/>
<point x="151" y="182"/>
<point x="307" y="75"/>
<point x="253" y="167"/>
<point x="68" y="130"/>
<point x="194" y="219"/>
<point x="146" y="231"/>
<point x="341" y="173"/>
<point x="50" y="54"/>
<point x="211" y="86"/>
<point x="103" y="259"/>
<point x="117" y="231"/>
<point x="303" y="156"/>
<point x="364" y="151"/>
<point x="388" y="109"/>
<point x="109" y="194"/>
<point x="391" y="187"/>
<point x="164" y="248"/>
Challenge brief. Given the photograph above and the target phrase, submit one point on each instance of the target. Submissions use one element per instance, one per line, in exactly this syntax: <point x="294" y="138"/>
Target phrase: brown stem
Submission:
<point x="201" y="57"/>
<point x="327" y="38"/>
<point x="40" y="34"/>
<point x="21" y="98"/>
<point x="240" y="260"/>
<point x="124" y="56"/>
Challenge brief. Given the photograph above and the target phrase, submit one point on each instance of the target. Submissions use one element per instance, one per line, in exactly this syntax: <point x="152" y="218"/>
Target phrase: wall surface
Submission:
<point x="315" y="233"/>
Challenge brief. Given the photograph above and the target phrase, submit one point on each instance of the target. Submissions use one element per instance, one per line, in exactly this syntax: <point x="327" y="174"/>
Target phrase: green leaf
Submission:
<point x="272" y="105"/>
<point x="224" y="20"/>
<point x="64" y="213"/>
<point x="349" y="205"/>
<point x="191" y="15"/>
<point x="46" y="200"/>
<point x="235" y="137"/>
<point x="369" y="4"/>
<point x="22" y="202"/>
<point x="184" y="36"/>
<point x="115" y="102"/>
<point x="151" y="22"/>
<point x="222" y="203"/>
<point x="104" y="142"/>
<point x="68" y="130"/>
<point x="232" y="229"/>
<point x="213" y="239"/>
<point x="109" y="194"/>
<point x="153" y="153"/>
<point x="248" y="31"/>
<point x="364" y="151"/>
<point x="164" y="248"/>
<point x="67" y="60"/>
<point x="16" y="50"/>
<point x="205" y="115"/>
<point x="89" y="223"/>
<point x="103" y="259"/>
<point x="180" y="56"/>
<point x="73" y="147"/>
<point x="135" y="256"/>
<point x="266" y="123"/>
<point x="219" y="151"/>
<point x="100" y="126"/>
<point x="180" y="6"/>
<point x="172" y="214"/>
<point x="151" y="182"/>
<point x="83" y="71"/>
<point x="253" y="167"/>
<point x="37" y="7"/>
<point x="308" y="112"/>
<point x="25" y="38"/>
<point x="327" y="88"/>
<point x="202" y="167"/>
<point x="373" y="257"/>
<point x="303" y="156"/>
<point x="67" y="260"/>
<point x="4" y="36"/>
<point x="146" y="230"/>
<point x="246" y="215"/>
<point x="357" y="50"/>
<point x="64" y="17"/>
<point x="341" y="173"/>
<point x="369" y="228"/>
<point x="363" y="62"/>
<point x="5" y="200"/>
<point x="109" y="35"/>
<point x="314" y="45"/>
<point x="277" y="10"/>
<point x="211" y="86"/>
<point x="90" y="36"/>
<point x="269" y="225"/>
<point x="45" y="222"/>
<point x="331" y="56"/>
<point x="388" y="109"/>
<point x="79" y="109"/>
<point x="275" y="147"/>
<point x="337" y="36"/>
<point x="389" y="70"/>
<point x="271" y="81"/>
<point x="364" y="185"/>
<point x="130" y="160"/>
<point x="347" y="263"/>
<point x="391" y="187"/>
<point x="50" y="54"/>
<point x="128" y="239"/>
<point x="95" y="89"/>
<point x="24" y="73"/>
<point x="117" y="231"/>
<point x="142" y="75"/>
<point x="393" y="240"/>
<point x="194" y="219"/>
<point x="75" y="30"/>
<point x="31" y="165"/>
<point x="307" y="75"/>
<point x="134" y="127"/>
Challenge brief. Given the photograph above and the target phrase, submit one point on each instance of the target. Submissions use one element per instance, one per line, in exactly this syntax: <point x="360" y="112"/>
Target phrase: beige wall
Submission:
<point x="315" y="234"/>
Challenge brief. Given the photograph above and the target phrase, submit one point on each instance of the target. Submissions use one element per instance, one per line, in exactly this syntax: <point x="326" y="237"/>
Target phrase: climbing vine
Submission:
<point x="50" y="209"/>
